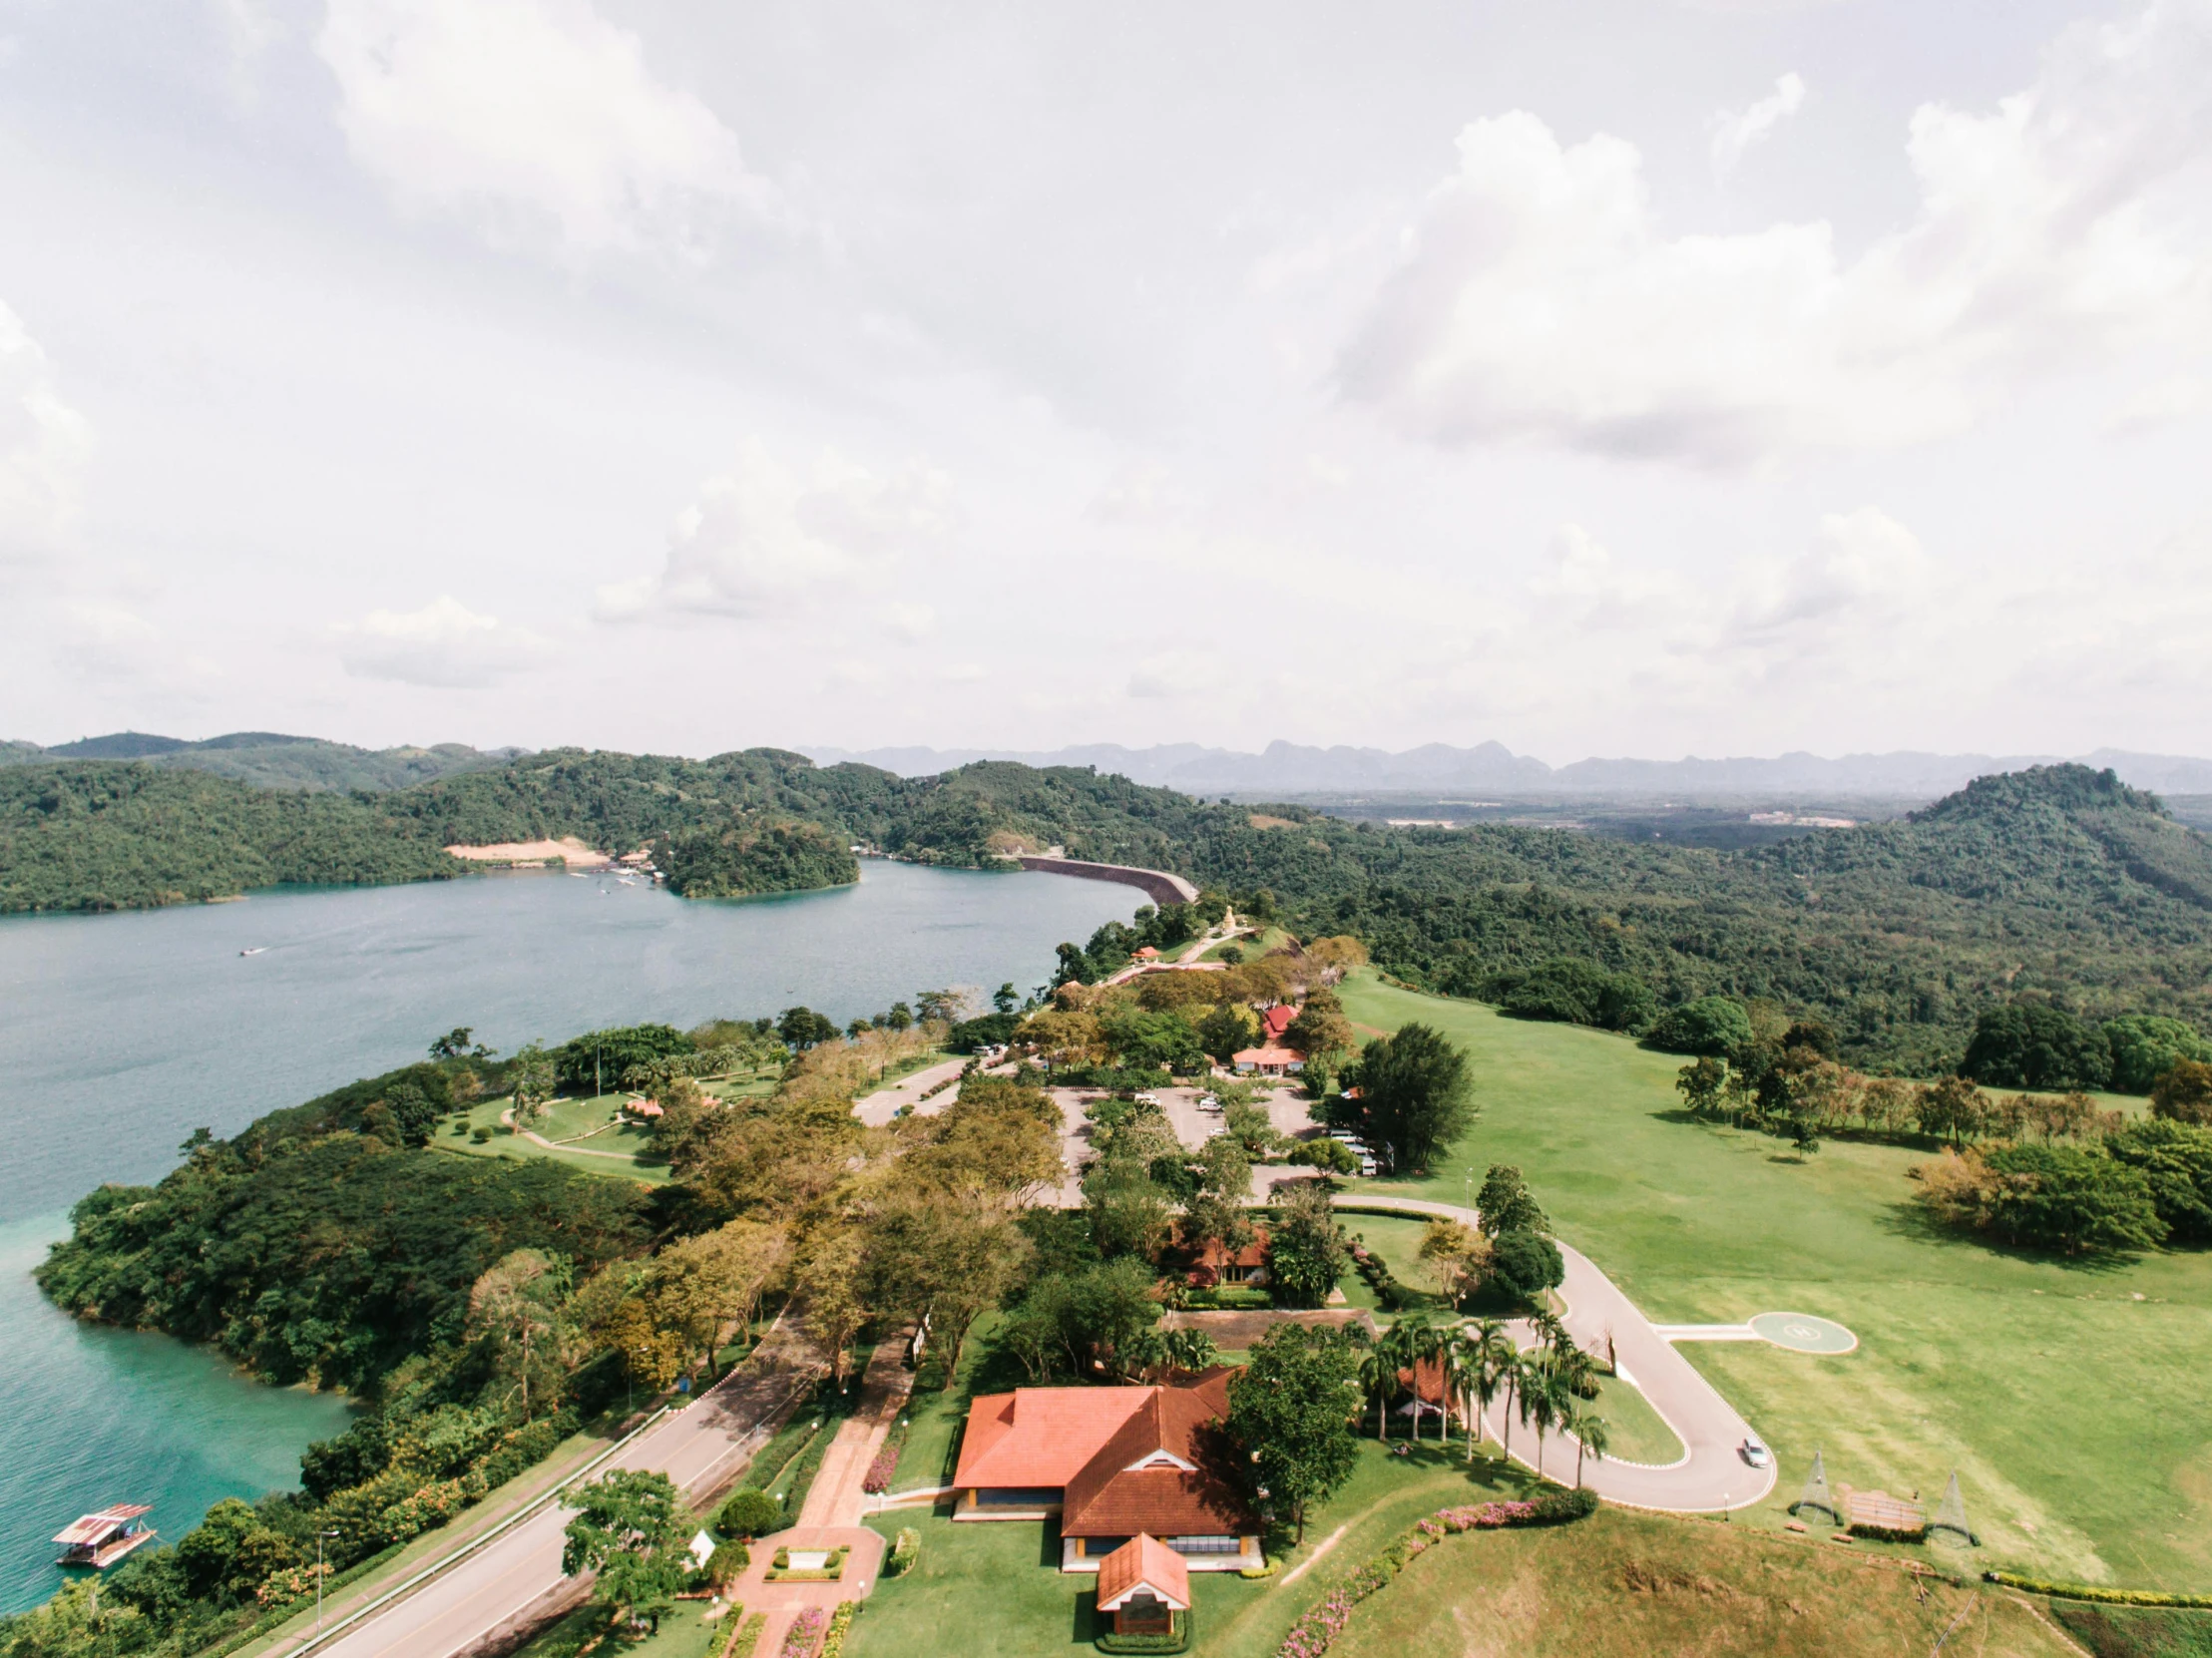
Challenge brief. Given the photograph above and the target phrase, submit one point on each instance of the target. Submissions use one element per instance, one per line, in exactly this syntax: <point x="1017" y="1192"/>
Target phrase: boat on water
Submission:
<point x="100" y="1540"/>
<point x="254" y="950"/>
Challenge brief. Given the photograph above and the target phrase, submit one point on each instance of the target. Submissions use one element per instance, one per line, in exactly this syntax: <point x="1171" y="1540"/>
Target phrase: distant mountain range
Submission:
<point x="1433" y="772"/>
<point x="1286" y="768"/>
<point x="271" y="759"/>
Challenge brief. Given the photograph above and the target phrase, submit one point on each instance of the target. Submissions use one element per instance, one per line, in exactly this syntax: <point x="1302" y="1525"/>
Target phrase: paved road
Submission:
<point x="697" y="1447"/>
<point x="1712" y="1475"/>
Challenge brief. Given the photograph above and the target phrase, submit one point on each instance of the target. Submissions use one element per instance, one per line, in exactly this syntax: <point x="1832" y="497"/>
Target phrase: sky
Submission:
<point x="1641" y="379"/>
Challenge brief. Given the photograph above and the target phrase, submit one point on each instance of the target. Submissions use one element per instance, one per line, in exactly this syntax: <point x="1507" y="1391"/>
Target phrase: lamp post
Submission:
<point x="319" y="1535"/>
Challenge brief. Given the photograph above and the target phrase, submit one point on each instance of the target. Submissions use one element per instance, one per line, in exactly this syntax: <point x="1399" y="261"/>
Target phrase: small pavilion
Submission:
<point x="1143" y="1583"/>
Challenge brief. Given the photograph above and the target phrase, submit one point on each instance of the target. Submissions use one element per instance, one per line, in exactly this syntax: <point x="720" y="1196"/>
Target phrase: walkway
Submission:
<point x="1712" y="1475"/>
<point x="830" y="1518"/>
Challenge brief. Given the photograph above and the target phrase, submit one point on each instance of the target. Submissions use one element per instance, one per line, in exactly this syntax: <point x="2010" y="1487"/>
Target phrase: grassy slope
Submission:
<point x="630" y="1146"/>
<point x="2069" y="1396"/>
<point x="1624" y="1584"/>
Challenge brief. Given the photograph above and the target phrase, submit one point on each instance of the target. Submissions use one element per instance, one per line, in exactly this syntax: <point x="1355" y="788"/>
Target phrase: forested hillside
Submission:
<point x="271" y="759"/>
<point x="2058" y="881"/>
<point x="130" y="836"/>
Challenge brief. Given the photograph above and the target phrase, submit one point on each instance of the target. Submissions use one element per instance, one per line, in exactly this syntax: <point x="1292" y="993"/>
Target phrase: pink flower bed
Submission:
<point x="805" y="1633"/>
<point x="882" y="1468"/>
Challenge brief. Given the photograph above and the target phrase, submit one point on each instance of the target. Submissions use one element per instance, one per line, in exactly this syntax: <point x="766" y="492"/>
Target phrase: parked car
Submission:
<point x="1207" y="1102"/>
<point x="1755" y="1451"/>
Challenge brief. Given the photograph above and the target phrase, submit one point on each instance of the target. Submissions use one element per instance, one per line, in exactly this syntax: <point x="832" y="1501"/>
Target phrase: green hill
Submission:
<point x="271" y="759"/>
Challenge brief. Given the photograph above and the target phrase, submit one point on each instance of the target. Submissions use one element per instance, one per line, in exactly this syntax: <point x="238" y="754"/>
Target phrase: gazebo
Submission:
<point x="1145" y="1584"/>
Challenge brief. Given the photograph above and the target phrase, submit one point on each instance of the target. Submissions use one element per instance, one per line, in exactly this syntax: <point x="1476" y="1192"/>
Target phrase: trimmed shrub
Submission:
<point x="1525" y="1264"/>
<point x="748" y="1512"/>
<point x="1177" y="1639"/>
<point x="833" y="1643"/>
<point x="906" y="1548"/>
<point x="2090" y="1591"/>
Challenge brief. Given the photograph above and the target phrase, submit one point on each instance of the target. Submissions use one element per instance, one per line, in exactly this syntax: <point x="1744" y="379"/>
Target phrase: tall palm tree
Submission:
<point x="1590" y="1436"/>
<point x="1515" y="1370"/>
<point x="1484" y="1350"/>
<point x="1540" y="1397"/>
<point x="1379" y="1370"/>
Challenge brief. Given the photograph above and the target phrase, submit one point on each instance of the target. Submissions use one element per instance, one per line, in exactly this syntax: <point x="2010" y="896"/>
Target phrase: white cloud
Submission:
<point x="2177" y="397"/>
<point x="1736" y="131"/>
<point x="1542" y="299"/>
<point x="765" y="540"/>
<point x="444" y="645"/>
<point x="1135" y="495"/>
<point x="44" y="443"/>
<point x="1176" y="675"/>
<point x="909" y="622"/>
<point x="532" y="120"/>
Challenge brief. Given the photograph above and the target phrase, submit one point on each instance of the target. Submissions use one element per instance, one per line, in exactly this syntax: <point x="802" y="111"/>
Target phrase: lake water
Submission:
<point x="120" y="1035"/>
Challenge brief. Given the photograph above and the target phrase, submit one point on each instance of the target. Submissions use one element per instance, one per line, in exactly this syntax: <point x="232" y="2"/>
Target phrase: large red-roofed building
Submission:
<point x="1114" y="1464"/>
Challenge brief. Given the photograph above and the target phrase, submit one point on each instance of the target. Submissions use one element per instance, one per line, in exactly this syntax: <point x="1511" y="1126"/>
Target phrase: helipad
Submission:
<point x="1803" y="1333"/>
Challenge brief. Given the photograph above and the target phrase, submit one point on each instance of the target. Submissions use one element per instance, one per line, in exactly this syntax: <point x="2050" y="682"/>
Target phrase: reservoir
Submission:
<point x="120" y="1035"/>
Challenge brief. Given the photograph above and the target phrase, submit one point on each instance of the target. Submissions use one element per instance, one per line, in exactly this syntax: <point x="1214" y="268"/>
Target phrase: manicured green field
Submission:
<point x="684" y="1634"/>
<point x="624" y="1151"/>
<point x="2070" y="1396"/>
<point x="1622" y="1585"/>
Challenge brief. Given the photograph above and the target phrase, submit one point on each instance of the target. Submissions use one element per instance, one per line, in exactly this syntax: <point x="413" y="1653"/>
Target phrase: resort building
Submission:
<point x="1219" y="1265"/>
<point x="1269" y="1060"/>
<point x="1145" y="1584"/>
<point x="1113" y="1464"/>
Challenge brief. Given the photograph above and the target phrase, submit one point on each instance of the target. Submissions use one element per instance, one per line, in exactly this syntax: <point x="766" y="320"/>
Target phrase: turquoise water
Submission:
<point x="120" y="1035"/>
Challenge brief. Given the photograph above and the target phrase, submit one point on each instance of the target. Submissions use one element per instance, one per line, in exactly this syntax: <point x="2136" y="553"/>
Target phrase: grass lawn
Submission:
<point x="684" y="1634"/>
<point x="2068" y="1396"/>
<point x="624" y="1151"/>
<point x="1397" y="1240"/>
<point x="1634" y="1431"/>
<point x="1621" y="1585"/>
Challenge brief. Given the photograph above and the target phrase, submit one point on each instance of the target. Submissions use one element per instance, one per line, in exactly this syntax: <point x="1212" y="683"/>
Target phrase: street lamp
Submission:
<point x="1467" y="1186"/>
<point x="319" y="1535"/>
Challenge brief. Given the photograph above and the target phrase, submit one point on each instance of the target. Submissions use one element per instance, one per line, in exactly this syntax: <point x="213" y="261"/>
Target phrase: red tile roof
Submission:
<point x="94" y="1527"/>
<point x="1276" y="1019"/>
<point x="1144" y="1562"/>
<point x="1090" y="1442"/>
<point x="1039" y="1436"/>
<point x="1117" y="1495"/>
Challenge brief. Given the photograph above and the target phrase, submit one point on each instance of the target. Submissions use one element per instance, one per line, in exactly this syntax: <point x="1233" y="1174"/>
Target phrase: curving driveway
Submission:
<point x="1712" y="1475"/>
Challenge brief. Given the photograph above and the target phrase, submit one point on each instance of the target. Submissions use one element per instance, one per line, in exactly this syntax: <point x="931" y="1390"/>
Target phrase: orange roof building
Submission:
<point x="1217" y="1265"/>
<point x="1269" y="1060"/>
<point x="1143" y="1583"/>
<point x="1273" y="1022"/>
<point x="1113" y="1464"/>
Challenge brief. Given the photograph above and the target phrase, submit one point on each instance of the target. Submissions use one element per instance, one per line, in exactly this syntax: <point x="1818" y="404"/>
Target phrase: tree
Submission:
<point x="631" y="1529"/>
<point x="1700" y="1083"/>
<point x="1112" y="1305"/>
<point x="1325" y="1154"/>
<point x="1321" y="1029"/>
<point x="1131" y="1212"/>
<point x="2175" y="1162"/>
<point x="1525" y="1264"/>
<point x="1504" y="1203"/>
<point x="2146" y="1047"/>
<point x="1590" y="1436"/>
<point x="1305" y="1245"/>
<point x="1713" y="1025"/>
<point x="803" y="1028"/>
<point x="945" y="1259"/>
<point x="530" y="1075"/>
<point x="2184" y="1093"/>
<point x="1416" y="1094"/>
<point x="454" y="1045"/>
<point x="830" y="1285"/>
<point x="1291" y="1411"/>
<point x="1227" y="1031"/>
<point x="1006" y="997"/>
<point x="1953" y="1108"/>
<point x="650" y="1355"/>
<point x="714" y="1279"/>
<point x="1456" y="1258"/>
<point x="2033" y="1045"/>
<point x="1217" y="1211"/>
<point x="514" y="1311"/>
<point x="2056" y="1197"/>
<point x="1486" y="1355"/>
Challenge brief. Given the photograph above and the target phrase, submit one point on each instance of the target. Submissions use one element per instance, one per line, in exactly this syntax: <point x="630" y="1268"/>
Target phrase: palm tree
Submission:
<point x="1484" y="1350"/>
<point x="1590" y="1436"/>
<point x="1425" y="1342"/>
<point x="1540" y="1397"/>
<point x="1515" y="1370"/>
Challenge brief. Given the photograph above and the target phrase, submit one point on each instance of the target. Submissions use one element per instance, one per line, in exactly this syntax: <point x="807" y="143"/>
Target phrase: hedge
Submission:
<point x="906" y="1548"/>
<point x="2089" y="1591"/>
<point x="1177" y="1638"/>
<point x="1315" y="1632"/>
<point x="744" y="1634"/>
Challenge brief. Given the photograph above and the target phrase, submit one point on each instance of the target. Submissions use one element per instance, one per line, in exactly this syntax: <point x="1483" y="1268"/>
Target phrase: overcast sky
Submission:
<point x="1639" y="378"/>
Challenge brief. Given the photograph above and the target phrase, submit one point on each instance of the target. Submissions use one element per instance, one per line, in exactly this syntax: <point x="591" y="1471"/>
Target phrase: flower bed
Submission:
<point x="833" y="1643"/>
<point x="744" y="1633"/>
<point x="2090" y="1591"/>
<point x="780" y="1569"/>
<point x="886" y="1464"/>
<point x="1315" y="1632"/>
<point x="805" y="1632"/>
